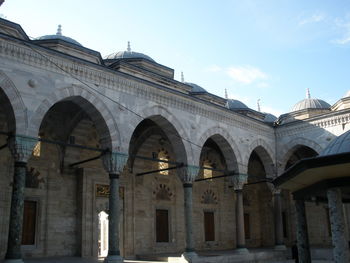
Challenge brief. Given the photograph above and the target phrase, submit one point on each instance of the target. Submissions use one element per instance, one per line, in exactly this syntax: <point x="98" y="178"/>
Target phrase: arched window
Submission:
<point x="37" y="148"/>
<point x="163" y="156"/>
<point x="206" y="172"/>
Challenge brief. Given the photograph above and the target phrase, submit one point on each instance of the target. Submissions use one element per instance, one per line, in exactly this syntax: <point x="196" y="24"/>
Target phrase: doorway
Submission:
<point x="103" y="234"/>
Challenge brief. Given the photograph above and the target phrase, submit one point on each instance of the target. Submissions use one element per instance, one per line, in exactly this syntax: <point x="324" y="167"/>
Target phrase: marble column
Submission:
<point x="279" y="240"/>
<point x="187" y="175"/>
<point x="336" y="215"/>
<point x="21" y="148"/>
<point x="114" y="163"/>
<point x="302" y="232"/>
<point x="188" y="217"/>
<point x="238" y="183"/>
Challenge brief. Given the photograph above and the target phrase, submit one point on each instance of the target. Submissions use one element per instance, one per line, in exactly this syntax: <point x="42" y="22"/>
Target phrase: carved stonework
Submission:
<point x="209" y="197"/>
<point x="239" y="180"/>
<point x="102" y="190"/>
<point x="163" y="192"/>
<point x="188" y="174"/>
<point x="21" y="147"/>
<point x="115" y="162"/>
<point x="33" y="179"/>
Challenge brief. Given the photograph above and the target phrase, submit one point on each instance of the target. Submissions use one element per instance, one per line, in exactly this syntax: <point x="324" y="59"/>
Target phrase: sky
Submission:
<point x="271" y="50"/>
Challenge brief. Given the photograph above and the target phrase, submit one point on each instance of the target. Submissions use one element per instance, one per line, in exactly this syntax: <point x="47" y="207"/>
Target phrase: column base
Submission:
<point x="188" y="257"/>
<point x="280" y="247"/>
<point x="13" y="260"/>
<point x="113" y="259"/>
<point x="242" y="250"/>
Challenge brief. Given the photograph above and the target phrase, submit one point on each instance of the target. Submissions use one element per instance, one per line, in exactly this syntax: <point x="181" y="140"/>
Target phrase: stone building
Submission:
<point x="92" y="145"/>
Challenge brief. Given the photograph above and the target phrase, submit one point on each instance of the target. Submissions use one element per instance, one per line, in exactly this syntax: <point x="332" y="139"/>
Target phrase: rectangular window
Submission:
<point x="29" y="222"/>
<point x="247" y="226"/>
<point x="209" y="226"/>
<point x="284" y="222"/>
<point x="162" y="225"/>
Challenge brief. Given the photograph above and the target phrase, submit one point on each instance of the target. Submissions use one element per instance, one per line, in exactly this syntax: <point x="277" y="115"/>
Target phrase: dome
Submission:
<point x="60" y="36"/>
<point x="269" y="117"/>
<point x="235" y="104"/>
<point x="196" y="88"/>
<point x="311" y="104"/>
<point x="341" y="144"/>
<point x="128" y="54"/>
<point x="347" y="94"/>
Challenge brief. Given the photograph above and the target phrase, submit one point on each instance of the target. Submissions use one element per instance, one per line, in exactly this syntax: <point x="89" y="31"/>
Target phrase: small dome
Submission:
<point x="235" y="105"/>
<point x="196" y="88"/>
<point x="128" y="54"/>
<point x="341" y="144"/>
<point x="269" y="117"/>
<point x="347" y="94"/>
<point x="311" y="104"/>
<point x="60" y="36"/>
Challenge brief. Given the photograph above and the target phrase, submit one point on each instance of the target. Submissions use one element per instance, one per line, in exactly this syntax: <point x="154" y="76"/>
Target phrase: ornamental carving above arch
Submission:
<point x="163" y="192"/>
<point x="209" y="197"/>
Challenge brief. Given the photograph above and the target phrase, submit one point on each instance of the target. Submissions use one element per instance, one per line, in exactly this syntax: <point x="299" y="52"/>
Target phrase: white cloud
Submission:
<point x="246" y="74"/>
<point x="263" y="85"/>
<point x="315" y="18"/>
<point x="213" y="68"/>
<point x="344" y="26"/>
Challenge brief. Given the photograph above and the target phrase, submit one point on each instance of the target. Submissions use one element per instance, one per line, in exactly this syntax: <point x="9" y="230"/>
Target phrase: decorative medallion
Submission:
<point x="209" y="197"/>
<point x="163" y="192"/>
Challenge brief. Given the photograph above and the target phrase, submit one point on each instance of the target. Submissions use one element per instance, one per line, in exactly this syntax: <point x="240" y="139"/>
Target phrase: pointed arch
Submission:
<point x="171" y="126"/>
<point x="226" y="143"/>
<point x="265" y="153"/>
<point x="290" y="147"/>
<point x="93" y="106"/>
<point x="19" y="112"/>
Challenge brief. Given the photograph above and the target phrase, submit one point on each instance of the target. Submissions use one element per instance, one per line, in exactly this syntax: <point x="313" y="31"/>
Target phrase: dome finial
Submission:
<point x="226" y="97"/>
<point x="308" y="96"/>
<point x="59" y="30"/>
<point x="182" y="77"/>
<point x="129" y="48"/>
<point x="258" y="102"/>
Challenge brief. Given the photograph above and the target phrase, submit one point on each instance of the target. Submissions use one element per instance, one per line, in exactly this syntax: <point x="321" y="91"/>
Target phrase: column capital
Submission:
<point x="114" y="162"/>
<point x="188" y="173"/>
<point x="239" y="180"/>
<point x="21" y="147"/>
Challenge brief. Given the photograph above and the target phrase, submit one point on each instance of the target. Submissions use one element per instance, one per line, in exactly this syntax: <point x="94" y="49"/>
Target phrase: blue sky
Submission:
<point x="267" y="50"/>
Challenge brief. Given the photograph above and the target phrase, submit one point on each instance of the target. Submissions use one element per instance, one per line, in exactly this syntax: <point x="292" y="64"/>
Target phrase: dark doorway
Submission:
<point x="29" y="222"/>
<point x="209" y="226"/>
<point x="162" y="225"/>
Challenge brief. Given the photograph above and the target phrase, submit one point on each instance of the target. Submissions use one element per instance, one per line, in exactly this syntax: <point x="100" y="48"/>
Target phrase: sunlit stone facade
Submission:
<point x="81" y="106"/>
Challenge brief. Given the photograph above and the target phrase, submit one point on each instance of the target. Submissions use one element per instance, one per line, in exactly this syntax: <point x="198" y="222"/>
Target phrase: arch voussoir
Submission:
<point x="90" y="103"/>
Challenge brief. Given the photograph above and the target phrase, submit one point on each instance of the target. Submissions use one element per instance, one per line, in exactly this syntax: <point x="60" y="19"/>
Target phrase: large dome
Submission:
<point x="235" y="105"/>
<point x="128" y="54"/>
<point x="60" y="36"/>
<point x="196" y="88"/>
<point x="341" y="144"/>
<point x="311" y="104"/>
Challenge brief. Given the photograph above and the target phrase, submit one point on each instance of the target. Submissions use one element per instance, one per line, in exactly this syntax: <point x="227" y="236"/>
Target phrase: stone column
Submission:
<point x="114" y="164"/>
<point x="238" y="182"/>
<point x="336" y="215"/>
<point x="21" y="148"/>
<point x="279" y="240"/>
<point x="302" y="232"/>
<point x="187" y="175"/>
